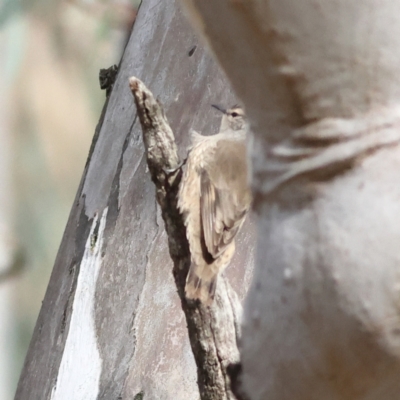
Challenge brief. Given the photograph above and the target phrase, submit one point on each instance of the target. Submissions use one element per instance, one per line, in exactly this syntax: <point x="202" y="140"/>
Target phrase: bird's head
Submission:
<point x="234" y="118"/>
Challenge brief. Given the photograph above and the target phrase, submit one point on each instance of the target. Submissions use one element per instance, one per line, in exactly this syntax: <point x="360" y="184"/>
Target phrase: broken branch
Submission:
<point x="213" y="331"/>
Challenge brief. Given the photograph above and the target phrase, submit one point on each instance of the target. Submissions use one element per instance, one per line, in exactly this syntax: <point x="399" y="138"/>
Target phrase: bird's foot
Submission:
<point x="171" y="171"/>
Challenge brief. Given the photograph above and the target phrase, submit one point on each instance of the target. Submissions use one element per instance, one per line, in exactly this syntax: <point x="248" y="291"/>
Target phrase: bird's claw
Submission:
<point x="171" y="171"/>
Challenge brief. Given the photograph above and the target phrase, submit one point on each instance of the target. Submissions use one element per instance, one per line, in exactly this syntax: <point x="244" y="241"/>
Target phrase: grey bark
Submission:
<point x="213" y="331"/>
<point x="115" y="246"/>
<point x="320" y="83"/>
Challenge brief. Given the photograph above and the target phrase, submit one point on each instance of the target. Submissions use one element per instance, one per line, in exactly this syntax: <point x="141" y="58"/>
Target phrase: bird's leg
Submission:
<point x="171" y="175"/>
<point x="171" y="171"/>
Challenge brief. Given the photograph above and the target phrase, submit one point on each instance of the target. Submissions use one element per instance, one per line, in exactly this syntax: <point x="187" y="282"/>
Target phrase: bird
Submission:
<point x="214" y="198"/>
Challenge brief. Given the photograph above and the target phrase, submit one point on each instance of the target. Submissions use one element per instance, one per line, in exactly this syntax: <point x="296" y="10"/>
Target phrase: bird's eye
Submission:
<point x="235" y="114"/>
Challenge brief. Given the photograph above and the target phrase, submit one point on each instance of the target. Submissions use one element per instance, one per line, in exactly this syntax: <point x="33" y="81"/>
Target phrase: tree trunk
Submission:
<point x="111" y="325"/>
<point x="321" y="85"/>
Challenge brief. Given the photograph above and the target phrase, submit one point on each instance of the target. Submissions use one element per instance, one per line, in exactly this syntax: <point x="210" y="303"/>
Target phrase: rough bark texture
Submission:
<point x="214" y="330"/>
<point x="320" y="83"/>
<point x="111" y="296"/>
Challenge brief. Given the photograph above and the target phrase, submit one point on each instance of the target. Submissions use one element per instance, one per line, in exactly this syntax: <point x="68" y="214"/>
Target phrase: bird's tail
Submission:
<point x="200" y="287"/>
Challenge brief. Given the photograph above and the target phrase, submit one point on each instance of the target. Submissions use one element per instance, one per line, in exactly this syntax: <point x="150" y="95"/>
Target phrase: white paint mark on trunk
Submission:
<point x="80" y="369"/>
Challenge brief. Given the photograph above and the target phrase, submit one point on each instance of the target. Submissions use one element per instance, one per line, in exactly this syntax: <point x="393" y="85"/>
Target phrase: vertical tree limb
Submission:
<point x="322" y="91"/>
<point x="212" y="330"/>
<point x="140" y="331"/>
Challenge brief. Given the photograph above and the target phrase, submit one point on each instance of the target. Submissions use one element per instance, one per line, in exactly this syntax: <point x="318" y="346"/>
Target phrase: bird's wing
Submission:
<point x="223" y="203"/>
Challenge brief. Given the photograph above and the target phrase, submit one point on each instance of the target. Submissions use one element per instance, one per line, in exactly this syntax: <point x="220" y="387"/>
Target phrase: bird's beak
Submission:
<point x="219" y="108"/>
